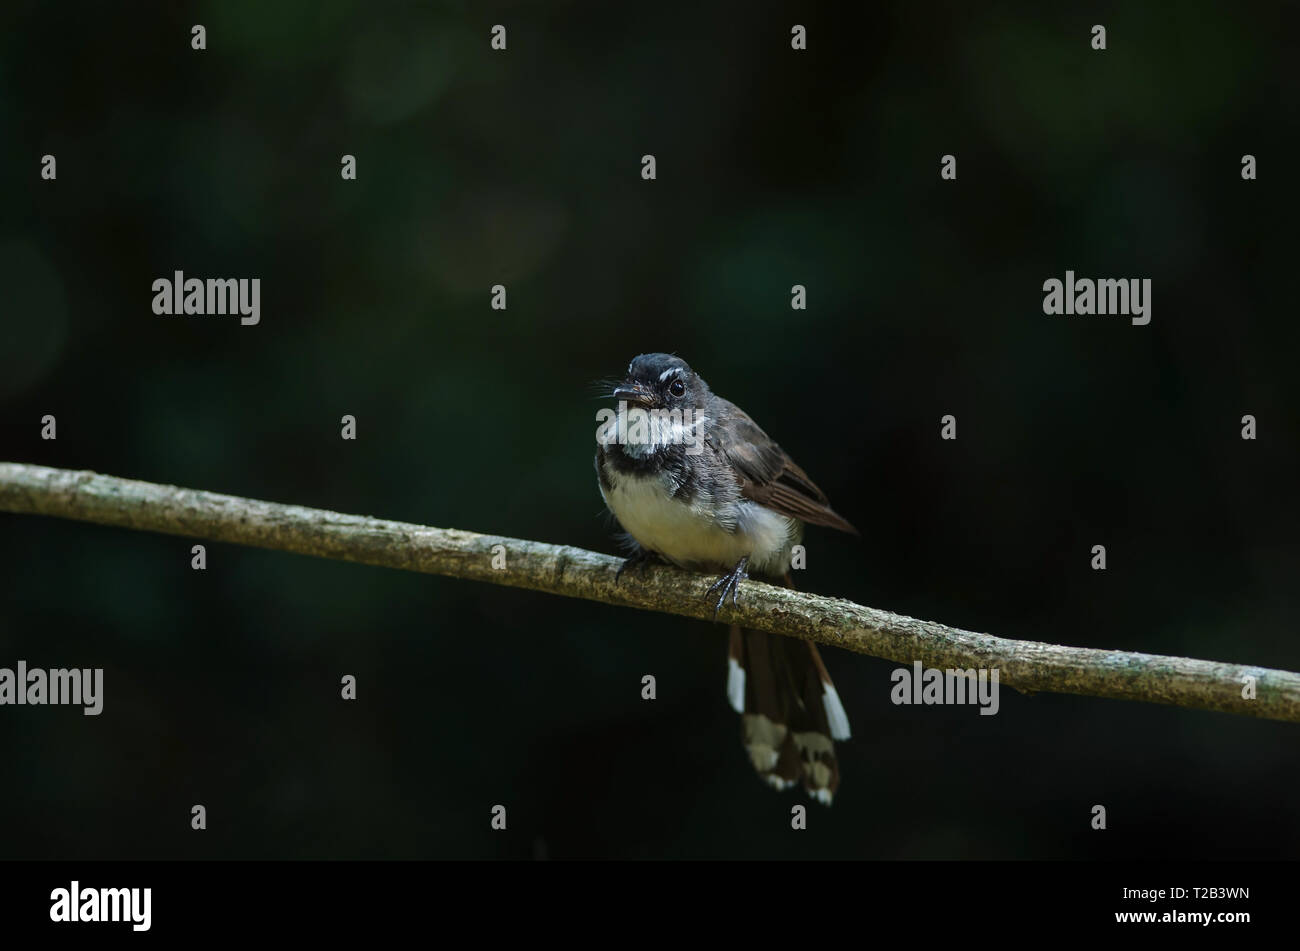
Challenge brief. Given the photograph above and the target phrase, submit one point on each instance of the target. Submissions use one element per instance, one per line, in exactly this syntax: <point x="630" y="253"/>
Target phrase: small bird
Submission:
<point x="695" y="482"/>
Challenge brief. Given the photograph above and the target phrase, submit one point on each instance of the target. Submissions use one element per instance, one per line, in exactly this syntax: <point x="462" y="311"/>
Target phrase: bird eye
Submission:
<point x="677" y="388"/>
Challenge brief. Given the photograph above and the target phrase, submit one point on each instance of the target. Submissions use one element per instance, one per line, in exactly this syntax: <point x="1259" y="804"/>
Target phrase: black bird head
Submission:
<point x="662" y="381"/>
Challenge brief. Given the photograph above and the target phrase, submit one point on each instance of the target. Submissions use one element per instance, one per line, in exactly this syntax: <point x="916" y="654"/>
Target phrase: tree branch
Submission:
<point x="575" y="573"/>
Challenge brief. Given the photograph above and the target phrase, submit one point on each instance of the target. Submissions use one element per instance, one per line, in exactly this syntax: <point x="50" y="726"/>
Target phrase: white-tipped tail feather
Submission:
<point x="735" y="685"/>
<point x="835" y="715"/>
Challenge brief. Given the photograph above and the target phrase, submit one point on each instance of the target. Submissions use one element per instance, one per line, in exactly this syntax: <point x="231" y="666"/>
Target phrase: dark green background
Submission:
<point x="775" y="168"/>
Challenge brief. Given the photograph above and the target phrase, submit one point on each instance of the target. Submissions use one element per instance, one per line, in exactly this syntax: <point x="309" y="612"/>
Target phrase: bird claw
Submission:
<point x="729" y="583"/>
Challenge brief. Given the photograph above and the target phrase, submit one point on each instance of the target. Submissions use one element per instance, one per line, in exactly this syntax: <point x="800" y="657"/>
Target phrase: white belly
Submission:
<point x="700" y="534"/>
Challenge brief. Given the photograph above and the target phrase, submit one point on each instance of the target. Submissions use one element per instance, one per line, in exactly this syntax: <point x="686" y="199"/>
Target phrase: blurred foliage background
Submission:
<point x="523" y="168"/>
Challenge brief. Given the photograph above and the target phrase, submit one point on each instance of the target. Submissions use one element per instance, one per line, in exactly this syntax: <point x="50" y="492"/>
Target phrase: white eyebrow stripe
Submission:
<point x="669" y="372"/>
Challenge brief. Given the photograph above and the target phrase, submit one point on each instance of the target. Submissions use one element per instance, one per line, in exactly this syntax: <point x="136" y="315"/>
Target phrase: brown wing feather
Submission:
<point x="769" y="476"/>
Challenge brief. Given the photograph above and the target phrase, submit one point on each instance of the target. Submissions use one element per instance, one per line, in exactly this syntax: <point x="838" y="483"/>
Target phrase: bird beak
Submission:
<point x="636" y="394"/>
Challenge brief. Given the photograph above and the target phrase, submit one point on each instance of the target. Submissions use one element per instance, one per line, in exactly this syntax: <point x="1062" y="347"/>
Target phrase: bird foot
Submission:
<point x="729" y="583"/>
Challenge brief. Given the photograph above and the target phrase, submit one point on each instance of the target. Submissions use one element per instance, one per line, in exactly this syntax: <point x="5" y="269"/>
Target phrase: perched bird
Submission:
<point x="695" y="482"/>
